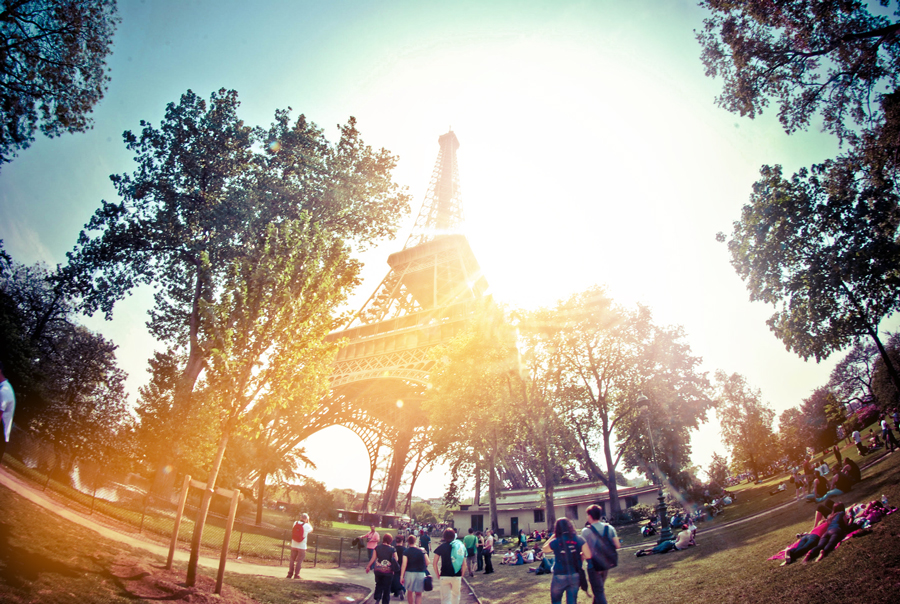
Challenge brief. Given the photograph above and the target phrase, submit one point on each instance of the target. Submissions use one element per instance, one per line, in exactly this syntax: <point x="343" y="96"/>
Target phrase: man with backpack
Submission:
<point x="604" y="543"/>
<point x="299" y="532"/>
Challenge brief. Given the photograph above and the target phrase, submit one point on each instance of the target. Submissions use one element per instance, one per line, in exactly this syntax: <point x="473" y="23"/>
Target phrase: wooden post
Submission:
<point x="232" y="512"/>
<point x="185" y="487"/>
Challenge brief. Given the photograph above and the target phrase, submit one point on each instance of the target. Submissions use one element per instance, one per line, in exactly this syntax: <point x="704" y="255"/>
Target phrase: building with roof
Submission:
<point x="524" y="508"/>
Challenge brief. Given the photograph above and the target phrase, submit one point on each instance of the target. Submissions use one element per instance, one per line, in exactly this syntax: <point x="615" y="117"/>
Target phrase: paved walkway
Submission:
<point x="353" y="576"/>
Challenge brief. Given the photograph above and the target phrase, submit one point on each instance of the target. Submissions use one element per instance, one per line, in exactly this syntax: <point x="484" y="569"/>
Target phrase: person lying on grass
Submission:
<point x="806" y="541"/>
<point x="682" y="541"/>
<point x="838" y="527"/>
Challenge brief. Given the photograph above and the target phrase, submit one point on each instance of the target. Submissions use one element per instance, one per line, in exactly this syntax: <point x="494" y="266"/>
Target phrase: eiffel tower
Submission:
<point x="379" y="378"/>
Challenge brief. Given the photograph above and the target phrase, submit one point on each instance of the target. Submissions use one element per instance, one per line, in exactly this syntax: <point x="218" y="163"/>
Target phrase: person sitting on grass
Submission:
<point x="852" y="470"/>
<point x="508" y="558"/>
<point x="820" y="487"/>
<point x="838" y="527"/>
<point x="682" y="541"/>
<point x="840" y="485"/>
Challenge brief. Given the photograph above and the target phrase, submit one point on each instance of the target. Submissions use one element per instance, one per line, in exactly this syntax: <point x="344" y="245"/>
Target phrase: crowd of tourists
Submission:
<point x="408" y="569"/>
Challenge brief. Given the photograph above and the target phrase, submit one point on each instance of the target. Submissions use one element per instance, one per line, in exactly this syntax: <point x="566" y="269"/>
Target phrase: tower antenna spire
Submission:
<point x="442" y="211"/>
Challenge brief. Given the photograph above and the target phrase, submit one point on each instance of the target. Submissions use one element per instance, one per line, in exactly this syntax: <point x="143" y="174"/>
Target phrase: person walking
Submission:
<point x="569" y="550"/>
<point x="888" y="435"/>
<point x="299" y="533"/>
<point x="445" y="570"/>
<point x="412" y="571"/>
<point x="488" y="551"/>
<point x="479" y="551"/>
<point x="384" y="557"/>
<point x="600" y="537"/>
<point x="7" y="409"/>
<point x="471" y="543"/>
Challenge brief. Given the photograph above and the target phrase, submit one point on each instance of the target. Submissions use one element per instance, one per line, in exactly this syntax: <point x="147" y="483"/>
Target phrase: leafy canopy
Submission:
<point x="52" y="67"/>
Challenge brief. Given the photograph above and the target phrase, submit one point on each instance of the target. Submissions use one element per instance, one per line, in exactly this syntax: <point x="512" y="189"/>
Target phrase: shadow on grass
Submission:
<point x="22" y="567"/>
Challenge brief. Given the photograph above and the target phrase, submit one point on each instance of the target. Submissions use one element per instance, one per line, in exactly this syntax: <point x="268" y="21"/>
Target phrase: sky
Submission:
<point x="591" y="152"/>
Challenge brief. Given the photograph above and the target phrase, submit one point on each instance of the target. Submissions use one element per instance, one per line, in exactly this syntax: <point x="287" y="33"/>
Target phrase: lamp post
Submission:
<point x="665" y="532"/>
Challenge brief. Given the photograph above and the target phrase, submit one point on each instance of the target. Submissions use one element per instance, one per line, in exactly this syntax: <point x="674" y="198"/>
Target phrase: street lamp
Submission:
<point x="665" y="533"/>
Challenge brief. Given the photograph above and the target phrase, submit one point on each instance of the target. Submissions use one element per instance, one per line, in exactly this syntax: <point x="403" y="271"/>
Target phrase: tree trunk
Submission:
<point x="204" y="509"/>
<point x="476" y="501"/>
<point x="548" y="491"/>
<point x="261" y="490"/>
<point x="492" y="486"/>
<point x="614" y="508"/>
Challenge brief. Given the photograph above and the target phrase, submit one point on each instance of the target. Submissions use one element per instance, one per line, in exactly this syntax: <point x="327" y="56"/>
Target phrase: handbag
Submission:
<point x="429" y="584"/>
<point x="582" y="579"/>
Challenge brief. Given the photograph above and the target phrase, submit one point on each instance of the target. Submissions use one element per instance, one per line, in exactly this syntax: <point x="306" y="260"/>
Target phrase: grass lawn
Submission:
<point x="46" y="559"/>
<point x="730" y="564"/>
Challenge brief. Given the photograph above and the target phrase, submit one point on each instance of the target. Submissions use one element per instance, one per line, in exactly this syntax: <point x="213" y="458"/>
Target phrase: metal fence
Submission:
<point x="130" y="503"/>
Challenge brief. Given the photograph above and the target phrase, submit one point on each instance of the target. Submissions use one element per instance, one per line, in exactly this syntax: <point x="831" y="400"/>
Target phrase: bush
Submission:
<point x="642" y="511"/>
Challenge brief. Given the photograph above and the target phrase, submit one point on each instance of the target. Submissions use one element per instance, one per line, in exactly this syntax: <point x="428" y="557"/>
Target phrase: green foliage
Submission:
<point x="245" y="235"/>
<point x="52" y="67"/>
<point x="641" y="511"/>
<point x="829" y="59"/>
<point x="423" y="513"/>
<point x="202" y="219"/>
<point x="607" y="357"/>
<point x="473" y="413"/>
<point x="746" y="423"/>
<point x="791" y="438"/>
<point x="69" y="387"/>
<point x="823" y="244"/>
<point x="817" y="429"/>
<point x="718" y="469"/>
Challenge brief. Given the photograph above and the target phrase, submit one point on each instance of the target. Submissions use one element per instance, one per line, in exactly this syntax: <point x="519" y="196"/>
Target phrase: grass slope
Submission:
<point x="730" y="562"/>
<point x="46" y="559"/>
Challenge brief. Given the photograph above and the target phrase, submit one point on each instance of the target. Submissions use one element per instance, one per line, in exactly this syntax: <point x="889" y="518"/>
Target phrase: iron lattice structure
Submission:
<point x="379" y="377"/>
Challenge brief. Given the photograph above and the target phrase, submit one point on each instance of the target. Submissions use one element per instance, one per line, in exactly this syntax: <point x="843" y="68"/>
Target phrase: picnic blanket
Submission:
<point x="854" y="533"/>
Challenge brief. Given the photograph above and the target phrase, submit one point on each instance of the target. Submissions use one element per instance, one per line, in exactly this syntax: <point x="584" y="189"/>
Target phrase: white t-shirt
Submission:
<point x="307" y="529"/>
<point x="7" y="407"/>
<point x="856" y="437"/>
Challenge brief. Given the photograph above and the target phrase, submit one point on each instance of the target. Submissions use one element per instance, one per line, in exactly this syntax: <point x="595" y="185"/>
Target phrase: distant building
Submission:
<point x="524" y="508"/>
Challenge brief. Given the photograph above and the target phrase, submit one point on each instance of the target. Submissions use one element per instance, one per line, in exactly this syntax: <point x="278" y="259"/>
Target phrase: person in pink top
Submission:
<point x="371" y="539"/>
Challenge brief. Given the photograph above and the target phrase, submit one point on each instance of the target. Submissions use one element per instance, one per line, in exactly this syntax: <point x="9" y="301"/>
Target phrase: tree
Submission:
<point x="470" y="406"/>
<point x="608" y="356"/>
<point x="819" y="421"/>
<point x="823" y="243"/>
<point x="829" y="59"/>
<point x="884" y="390"/>
<point x="245" y="234"/>
<point x="718" y="469"/>
<point x="852" y="378"/>
<point x="791" y="438"/>
<point x="52" y="67"/>
<point x="423" y="513"/>
<point x="71" y="390"/>
<point x="746" y="423"/>
<point x="267" y="328"/>
<point x="826" y="255"/>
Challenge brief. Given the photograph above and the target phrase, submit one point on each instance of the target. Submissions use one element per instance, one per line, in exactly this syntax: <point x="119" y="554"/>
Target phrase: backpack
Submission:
<point x="457" y="554"/>
<point x="604" y="555"/>
<point x="298" y="532"/>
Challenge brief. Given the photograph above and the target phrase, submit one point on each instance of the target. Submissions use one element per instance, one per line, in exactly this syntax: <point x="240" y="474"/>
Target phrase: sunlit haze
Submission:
<point x="591" y="151"/>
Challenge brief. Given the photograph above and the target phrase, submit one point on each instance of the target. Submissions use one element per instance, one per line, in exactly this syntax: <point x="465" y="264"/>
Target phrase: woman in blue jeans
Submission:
<point x="568" y="549"/>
